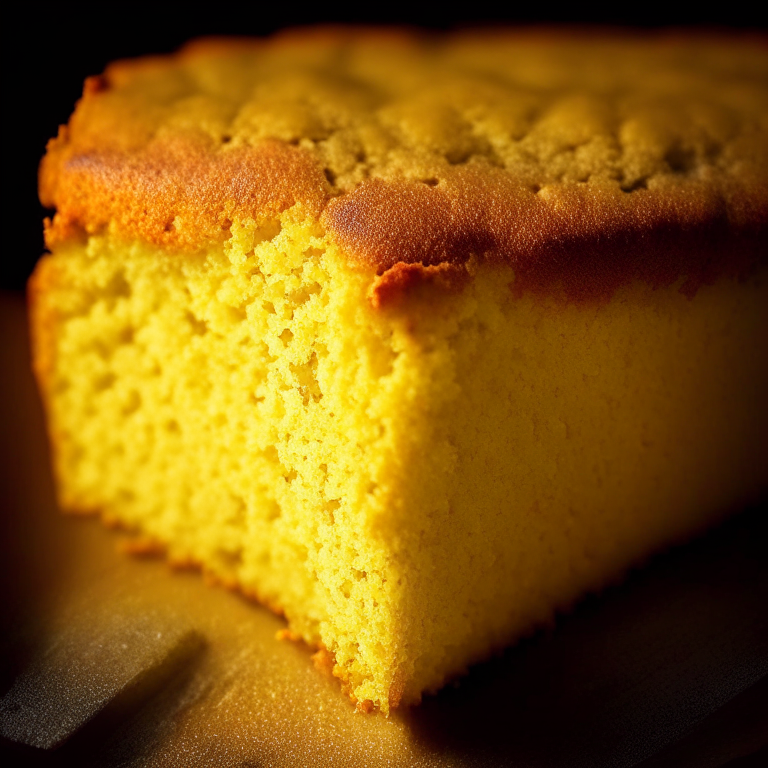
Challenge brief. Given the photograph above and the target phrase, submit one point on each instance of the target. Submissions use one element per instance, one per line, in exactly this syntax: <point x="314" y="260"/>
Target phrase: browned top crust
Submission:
<point x="585" y="160"/>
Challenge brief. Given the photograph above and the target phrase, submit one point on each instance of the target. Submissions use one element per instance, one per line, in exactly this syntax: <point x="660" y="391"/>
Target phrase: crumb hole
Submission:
<point x="132" y="403"/>
<point x="199" y="327"/>
<point x="458" y="157"/>
<point x="641" y="183"/>
<point x="269" y="230"/>
<point x="306" y="379"/>
<point x="118" y="286"/>
<point x="382" y="360"/>
<point x="680" y="160"/>
<point x="273" y="511"/>
<point x="104" y="382"/>
<point x="236" y="314"/>
<point x="239" y="510"/>
<point x="230" y="560"/>
<point x="330" y="509"/>
<point x="297" y="298"/>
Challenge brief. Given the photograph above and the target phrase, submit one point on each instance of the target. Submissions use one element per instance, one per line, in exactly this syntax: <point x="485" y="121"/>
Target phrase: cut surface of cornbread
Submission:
<point x="414" y="339"/>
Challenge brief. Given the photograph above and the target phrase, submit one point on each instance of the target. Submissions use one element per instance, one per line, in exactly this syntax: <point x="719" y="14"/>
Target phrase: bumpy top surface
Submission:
<point x="583" y="159"/>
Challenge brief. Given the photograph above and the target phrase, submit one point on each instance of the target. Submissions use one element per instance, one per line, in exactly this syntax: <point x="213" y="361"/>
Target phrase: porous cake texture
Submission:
<point x="414" y="338"/>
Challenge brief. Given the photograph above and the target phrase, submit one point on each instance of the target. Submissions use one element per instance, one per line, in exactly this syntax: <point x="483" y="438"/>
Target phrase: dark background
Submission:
<point x="50" y="50"/>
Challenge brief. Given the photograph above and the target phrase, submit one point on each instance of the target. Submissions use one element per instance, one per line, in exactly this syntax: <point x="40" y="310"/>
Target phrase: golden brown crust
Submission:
<point x="584" y="160"/>
<point x="175" y="193"/>
<point x="402" y="278"/>
<point x="587" y="240"/>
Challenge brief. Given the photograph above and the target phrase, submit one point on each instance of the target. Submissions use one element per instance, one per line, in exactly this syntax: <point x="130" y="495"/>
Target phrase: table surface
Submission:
<point x="112" y="660"/>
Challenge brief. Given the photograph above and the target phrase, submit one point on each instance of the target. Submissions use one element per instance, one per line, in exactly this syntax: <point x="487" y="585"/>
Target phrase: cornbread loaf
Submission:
<point x="414" y="338"/>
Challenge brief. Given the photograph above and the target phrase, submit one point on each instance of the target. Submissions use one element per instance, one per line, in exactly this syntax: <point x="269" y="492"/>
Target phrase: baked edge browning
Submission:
<point x="582" y="241"/>
<point x="176" y="193"/>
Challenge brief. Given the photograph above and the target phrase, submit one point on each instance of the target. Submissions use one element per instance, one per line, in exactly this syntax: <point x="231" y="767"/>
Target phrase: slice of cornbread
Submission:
<point x="416" y="339"/>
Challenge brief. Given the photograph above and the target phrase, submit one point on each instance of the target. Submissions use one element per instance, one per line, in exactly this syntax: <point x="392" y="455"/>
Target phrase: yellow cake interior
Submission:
<point x="411" y="485"/>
